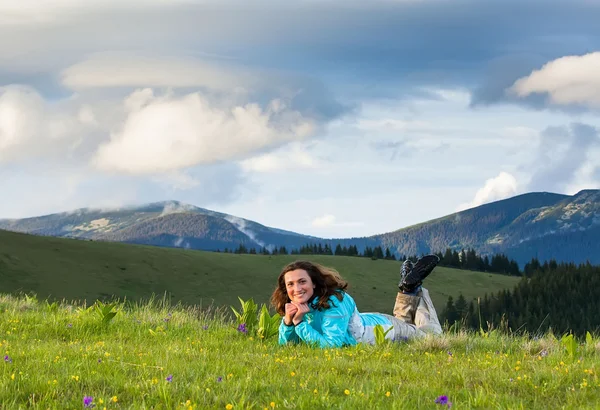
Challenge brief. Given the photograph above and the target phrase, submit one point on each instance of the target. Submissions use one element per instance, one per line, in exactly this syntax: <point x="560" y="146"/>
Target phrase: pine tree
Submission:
<point x="388" y="254"/>
<point x="461" y="306"/>
<point x="449" y="314"/>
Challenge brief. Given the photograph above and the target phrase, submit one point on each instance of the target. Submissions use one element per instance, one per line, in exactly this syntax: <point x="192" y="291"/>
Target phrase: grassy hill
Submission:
<point x="84" y="270"/>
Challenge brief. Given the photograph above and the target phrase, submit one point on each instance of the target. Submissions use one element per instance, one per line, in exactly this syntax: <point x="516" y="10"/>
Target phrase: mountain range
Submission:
<point x="539" y="224"/>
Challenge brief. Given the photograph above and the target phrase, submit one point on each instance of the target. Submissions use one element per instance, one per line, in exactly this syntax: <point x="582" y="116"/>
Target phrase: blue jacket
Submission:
<point x="340" y="325"/>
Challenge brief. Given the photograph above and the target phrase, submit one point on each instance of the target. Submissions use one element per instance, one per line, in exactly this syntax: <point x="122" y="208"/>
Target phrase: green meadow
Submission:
<point x="82" y="270"/>
<point x="183" y="348"/>
<point x="154" y="355"/>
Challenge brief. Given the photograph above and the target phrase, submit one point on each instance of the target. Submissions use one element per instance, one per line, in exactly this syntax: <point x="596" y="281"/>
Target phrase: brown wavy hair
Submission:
<point x="327" y="281"/>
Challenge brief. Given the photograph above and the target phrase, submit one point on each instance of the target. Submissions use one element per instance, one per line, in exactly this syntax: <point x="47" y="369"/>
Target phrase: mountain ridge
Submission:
<point x="523" y="226"/>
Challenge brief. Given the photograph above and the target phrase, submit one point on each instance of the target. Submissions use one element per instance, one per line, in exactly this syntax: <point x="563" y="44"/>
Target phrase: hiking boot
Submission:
<point x="412" y="275"/>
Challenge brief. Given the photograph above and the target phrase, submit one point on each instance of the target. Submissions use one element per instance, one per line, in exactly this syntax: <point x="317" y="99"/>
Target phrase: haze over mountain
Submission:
<point x="542" y="225"/>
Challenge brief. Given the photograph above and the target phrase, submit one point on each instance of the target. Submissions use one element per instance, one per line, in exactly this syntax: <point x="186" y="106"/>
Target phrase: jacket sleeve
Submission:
<point x="287" y="334"/>
<point x="334" y="327"/>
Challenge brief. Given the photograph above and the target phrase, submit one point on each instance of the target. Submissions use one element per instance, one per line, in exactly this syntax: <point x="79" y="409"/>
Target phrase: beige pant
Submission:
<point x="414" y="316"/>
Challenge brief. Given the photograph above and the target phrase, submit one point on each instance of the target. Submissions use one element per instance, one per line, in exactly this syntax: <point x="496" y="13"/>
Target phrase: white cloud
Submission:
<point x="460" y="97"/>
<point x="323" y="221"/>
<point x="566" y="80"/>
<point x="177" y="181"/>
<point x="21" y="116"/>
<point x="289" y="158"/>
<point x="497" y="188"/>
<point x="330" y="221"/>
<point x="586" y="176"/>
<point x="242" y="225"/>
<point x="168" y="133"/>
<point x="127" y="70"/>
<point x="31" y="128"/>
<point x="172" y="207"/>
<point x="14" y="12"/>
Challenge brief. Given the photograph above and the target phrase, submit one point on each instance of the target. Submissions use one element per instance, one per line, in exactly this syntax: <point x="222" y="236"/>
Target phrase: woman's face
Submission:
<point x="299" y="286"/>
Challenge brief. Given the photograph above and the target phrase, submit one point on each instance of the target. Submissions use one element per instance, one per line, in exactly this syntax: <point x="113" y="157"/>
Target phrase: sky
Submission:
<point x="328" y="118"/>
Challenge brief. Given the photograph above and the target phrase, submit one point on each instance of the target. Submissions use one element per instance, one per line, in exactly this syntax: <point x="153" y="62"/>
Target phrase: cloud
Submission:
<point x="214" y="184"/>
<point x="570" y="80"/>
<point x="292" y="157"/>
<point x="166" y="133"/>
<point x="323" y="221"/>
<point x="172" y="207"/>
<point x="392" y="148"/>
<point x="242" y="226"/>
<point x="50" y="11"/>
<point x="562" y="153"/>
<point x="329" y="221"/>
<point x="461" y="38"/>
<point x="130" y="70"/>
<point x="500" y="73"/>
<point x="31" y="128"/>
<point x="500" y="187"/>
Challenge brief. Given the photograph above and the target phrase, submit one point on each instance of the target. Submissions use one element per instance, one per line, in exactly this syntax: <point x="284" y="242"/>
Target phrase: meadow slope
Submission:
<point x="76" y="269"/>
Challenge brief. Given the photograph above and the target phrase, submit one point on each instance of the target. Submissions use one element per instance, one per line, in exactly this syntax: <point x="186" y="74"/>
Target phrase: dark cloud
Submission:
<point x="500" y="74"/>
<point x="375" y="48"/>
<point x="562" y="151"/>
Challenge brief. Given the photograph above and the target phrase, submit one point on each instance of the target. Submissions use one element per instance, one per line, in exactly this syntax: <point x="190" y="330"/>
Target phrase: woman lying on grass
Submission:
<point x="317" y="310"/>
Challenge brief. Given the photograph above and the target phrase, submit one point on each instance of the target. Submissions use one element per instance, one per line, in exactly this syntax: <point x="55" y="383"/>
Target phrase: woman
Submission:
<point x="317" y="310"/>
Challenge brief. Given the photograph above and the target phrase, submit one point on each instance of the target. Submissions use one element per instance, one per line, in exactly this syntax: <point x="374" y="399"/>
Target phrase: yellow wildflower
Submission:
<point x="387" y="394"/>
<point x="347" y="392"/>
<point x="229" y="406"/>
<point x="114" y="399"/>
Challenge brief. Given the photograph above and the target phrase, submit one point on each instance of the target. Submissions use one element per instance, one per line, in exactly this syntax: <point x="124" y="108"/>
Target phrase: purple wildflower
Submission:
<point x="99" y="360"/>
<point x="7" y="359"/>
<point x="205" y="327"/>
<point x="87" y="401"/>
<point x="169" y="378"/>
<point x="443" y="400"/>
<point x="449" y="353"/>
<point x="242" y="328"/>
<point x="70" y="325"/>
<point x="219" y="379"/>
<point x="544" y="353"/>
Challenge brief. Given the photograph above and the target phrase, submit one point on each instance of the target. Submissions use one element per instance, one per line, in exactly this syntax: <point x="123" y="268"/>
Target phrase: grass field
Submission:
<point x="163" y="357"/>
<point x="73" y="269"/>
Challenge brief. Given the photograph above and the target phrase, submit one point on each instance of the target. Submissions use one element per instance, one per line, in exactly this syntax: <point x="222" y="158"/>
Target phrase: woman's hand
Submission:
<point x="290" y="312"/>
<point x="302" y="310"/>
